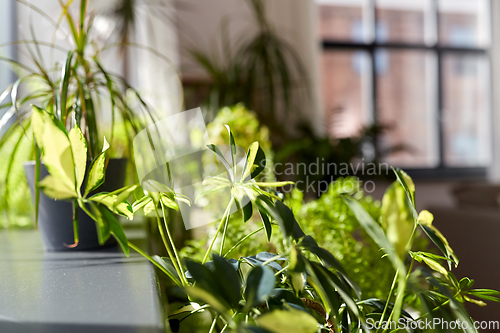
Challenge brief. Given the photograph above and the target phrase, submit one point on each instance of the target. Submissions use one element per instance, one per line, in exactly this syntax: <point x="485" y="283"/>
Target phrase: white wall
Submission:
<point x="199" y="26"/>
<point x="494" y="171"/>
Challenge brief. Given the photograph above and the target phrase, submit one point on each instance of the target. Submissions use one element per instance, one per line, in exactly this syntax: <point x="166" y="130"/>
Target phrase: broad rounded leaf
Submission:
<point x="115" y="229"/>
<point x="79" y="149"/>
<point x="54" y="143"/>
<point x="286" y="321"/>
<point x="260" y="284"/>
<point x="55" y="188"/>
<point x="96" y="173"/>
<point x="228" y="280"/>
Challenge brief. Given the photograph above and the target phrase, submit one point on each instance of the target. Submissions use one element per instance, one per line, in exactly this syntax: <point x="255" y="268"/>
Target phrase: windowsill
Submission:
<point x="466" y="173"/>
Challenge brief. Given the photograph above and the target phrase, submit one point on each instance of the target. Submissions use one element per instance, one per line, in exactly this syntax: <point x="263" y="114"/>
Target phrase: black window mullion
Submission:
<point x="373" y="73"/>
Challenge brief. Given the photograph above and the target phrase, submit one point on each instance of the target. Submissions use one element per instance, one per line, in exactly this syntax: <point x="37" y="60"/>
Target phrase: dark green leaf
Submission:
<point x="97" y="172"/>
<point x="228" y="280"/>
<point x="166" y="263"/>
<point x="247" y="211"/>
<point x="115" y="229"/>
<point x="266" y="223"/>
<point x="259" y="285"/>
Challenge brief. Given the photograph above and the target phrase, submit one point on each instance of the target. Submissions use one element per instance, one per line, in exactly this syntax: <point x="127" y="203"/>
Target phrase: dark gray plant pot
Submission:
<point x="55" y="217"/>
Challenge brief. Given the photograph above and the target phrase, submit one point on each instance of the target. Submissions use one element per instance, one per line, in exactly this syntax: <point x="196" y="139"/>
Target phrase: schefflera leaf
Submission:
<point x="289" y="320"/>
<point x="425" y="219"/>
<point x="79" y="149"/>
<point x="111" y="201"/>
<point x="96" y="173"/>
<point x="56" y="155"/>
<point x="397" y="218"/>
<point x="260" y="284"/>
<point x="220" y="288"/>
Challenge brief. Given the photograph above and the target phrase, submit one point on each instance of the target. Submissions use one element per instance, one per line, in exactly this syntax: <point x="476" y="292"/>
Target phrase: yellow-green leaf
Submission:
<point x="55" y="188"/>
<point x="397" y="218"/>
<point x="249" y="164"/>
<point x="286" y="321"/>
<point x="96" y="173"/>
<point x="425" y="217"/>
<point x="38" y="119"/>
<point x="79" y="149"/>
<point x="111" y="201"/>
<point x="57" y="155"/>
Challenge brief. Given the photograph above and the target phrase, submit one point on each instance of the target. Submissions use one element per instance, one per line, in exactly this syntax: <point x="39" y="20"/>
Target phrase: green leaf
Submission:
<point x="397" y="218"/>
<point x="141" y="203"/>
<point x="232" y="145"/>
<point x="455" y="305"/>
<point x="79" y="149"/>
<point x="207" y="287"/>
<point x="272" y="184"/>
<point x="206" y="296"/>
<point x="221" y="157"/>
<point x="97" y="172"/>
<point x="433" y="264"/>
<point x="55" y="146"/>
<point x="166" y="263"/>
<point x="375" y="231"/>
<point x="115" y="229"/>
<point x="66" y="74"/>
<point x="255" y="162"/>
<point x="267" y="224"/>
<point x="259" y="285"/>
<point x="228" y="280"/>
<point x="288" y="221"/>
<point x="111" y="201"/>
<point x="247" y="211"/>
<point x="169" y="202"/>
<point x="102" y="225"/>
<point x="124" y="193"/>
<point x="55" y="188"/>
<point x="286" y="321"/>
<point x="326" y="257"/>
<point x="441" y="242"/>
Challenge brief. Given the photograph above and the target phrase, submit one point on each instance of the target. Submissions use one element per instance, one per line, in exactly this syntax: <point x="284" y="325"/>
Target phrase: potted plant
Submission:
<point x="72" y="99"/>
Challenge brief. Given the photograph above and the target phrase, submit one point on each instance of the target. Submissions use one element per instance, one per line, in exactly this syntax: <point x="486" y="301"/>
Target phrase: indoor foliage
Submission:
<point x="304" y="288"/>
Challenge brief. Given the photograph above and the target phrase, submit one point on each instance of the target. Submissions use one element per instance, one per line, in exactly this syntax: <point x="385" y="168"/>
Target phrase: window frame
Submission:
<point x="441" y="170"/>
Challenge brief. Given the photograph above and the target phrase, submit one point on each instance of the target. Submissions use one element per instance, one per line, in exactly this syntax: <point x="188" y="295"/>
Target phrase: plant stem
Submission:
<point x="144" y="254"/>
<point x="225" y="226"/>
<point x="213" y="324"/>
<point x="182" y="276"/>
<point x="242" y="240"/>
<point x="165" y="243"/>
<point x="218" y="230"/>
<point x="75" y="223"/>
<point x="389" y="297"/>
<point x="282" y="270"/>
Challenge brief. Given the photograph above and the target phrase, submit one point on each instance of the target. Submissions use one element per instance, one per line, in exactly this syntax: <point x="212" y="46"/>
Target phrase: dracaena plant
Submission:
<point x="78" y="92"/>
<point x="305" y="288"/>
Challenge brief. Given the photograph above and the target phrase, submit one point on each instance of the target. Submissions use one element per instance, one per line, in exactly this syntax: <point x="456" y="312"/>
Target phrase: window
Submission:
<point x="419" y="68"/>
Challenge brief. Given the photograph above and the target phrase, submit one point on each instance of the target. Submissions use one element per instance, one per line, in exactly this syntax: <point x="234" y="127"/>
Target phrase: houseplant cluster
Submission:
<point x="301" y="287"/>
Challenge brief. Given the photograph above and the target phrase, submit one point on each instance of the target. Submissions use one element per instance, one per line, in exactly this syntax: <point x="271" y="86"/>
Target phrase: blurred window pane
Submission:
<point x="342" y="20"/>
<point x="464" y="23"/>
<point x="406" y="105"/>
<point x="407" y="73"/>
<point x="401" y="21"/>
<point x="466" y="125"/>
<point x="346" y="89"/>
